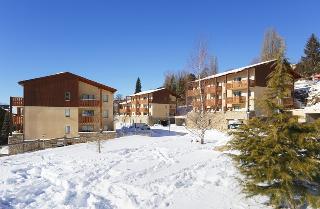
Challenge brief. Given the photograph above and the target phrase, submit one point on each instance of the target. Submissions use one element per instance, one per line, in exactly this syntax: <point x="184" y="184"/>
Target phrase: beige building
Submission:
<point x="148" y="107"/>
<point x="234" y="95"/>
<point x="61" y="105"/>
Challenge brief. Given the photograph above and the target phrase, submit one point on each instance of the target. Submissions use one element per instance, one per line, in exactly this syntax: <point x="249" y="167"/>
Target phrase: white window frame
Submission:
<point x="67" y="96"/>
<point x="67" y="129"/>
<point x="67" y="113"/>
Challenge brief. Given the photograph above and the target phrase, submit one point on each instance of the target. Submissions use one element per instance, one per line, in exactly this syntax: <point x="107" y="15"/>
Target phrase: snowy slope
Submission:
<point x="309" y="91"/>
<point x="164" y="171"/>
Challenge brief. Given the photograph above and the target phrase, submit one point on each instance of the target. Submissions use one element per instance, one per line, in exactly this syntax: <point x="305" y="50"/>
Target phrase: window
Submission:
<point x="87" y="128"/>
<point x="87" y="97"/>
<point x="105" y="98"/>
<point x="67" y="112"/>
<point x="105" y="128"/>
<point x="88" y="113"/>
<point x="237" y="93"/>
<point x="105" y="114"/>
<point x="237" y="79"/>
<point x="236" y="108"/>
<point x="67" y="96"/>
<point x="67" y="129"/>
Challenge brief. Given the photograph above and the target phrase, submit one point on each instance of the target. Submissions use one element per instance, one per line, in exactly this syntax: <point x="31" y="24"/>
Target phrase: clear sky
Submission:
<point x="114" y="42"/>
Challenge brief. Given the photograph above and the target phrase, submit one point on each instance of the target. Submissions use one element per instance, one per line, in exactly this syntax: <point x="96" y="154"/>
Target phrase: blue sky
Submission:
<point x="114" y="42"/>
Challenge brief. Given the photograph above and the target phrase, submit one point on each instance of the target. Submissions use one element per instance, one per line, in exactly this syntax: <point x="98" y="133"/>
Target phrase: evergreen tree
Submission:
<point x="310" y="63"/>
<point x="278" y="156"/>
<point x="138" y="86"/>
<point x="5" y="129"/>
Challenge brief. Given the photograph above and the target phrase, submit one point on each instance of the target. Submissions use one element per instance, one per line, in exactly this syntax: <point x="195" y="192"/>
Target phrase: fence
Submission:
<point x="16" y="143"/>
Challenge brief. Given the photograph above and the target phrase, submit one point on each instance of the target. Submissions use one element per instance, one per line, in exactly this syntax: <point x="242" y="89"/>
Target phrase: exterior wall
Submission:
<point x="108" y="106"/>
<point x="107" y="122"/>
<point x="17" y="144"/>
<point x="49" y="122"/>
<point x="219" y="120"/>
<point x="159" y="110"/>
<point x="51" y="92"/>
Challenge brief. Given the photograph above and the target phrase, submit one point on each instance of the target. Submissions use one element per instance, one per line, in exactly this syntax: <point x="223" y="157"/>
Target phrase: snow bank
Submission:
<point x="162" y="171"/>
<point x="309" y="90"/>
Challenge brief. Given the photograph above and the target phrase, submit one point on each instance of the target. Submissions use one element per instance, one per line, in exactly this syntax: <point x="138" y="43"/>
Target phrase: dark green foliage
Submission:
<point x="279" y="157"/>
<point x="5" y="128"/>
<point x="310" y="63"/>
<point x="177" y="83"/>
<point x="138" y="86"/>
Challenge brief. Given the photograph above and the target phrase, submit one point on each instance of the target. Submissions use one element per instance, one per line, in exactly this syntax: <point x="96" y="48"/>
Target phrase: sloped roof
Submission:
<point x="71" y="75"/>
<point x="147" y="92"/>
<point x="295" y="74"/>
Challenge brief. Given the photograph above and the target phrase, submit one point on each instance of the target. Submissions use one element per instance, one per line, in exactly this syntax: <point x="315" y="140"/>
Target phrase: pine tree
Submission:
<point x="279" y="157"/>
<point x="5" y="129"/>
<point x="310" y="63"/>
<point x="138" y="86"/>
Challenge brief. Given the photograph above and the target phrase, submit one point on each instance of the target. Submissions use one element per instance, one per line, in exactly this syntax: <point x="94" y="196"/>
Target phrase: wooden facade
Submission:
<point x="217" y="99"/>
<point x="59" y="90"/>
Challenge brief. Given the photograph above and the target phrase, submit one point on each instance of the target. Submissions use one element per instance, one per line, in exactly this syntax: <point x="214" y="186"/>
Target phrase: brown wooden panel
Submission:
<point x="161" y="97"/>
<point x="50" y="91"/>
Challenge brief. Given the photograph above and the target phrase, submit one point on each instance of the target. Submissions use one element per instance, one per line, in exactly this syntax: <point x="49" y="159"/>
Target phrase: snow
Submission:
<point x="236" y="70"/>
<point x="166" y="170"/>
<point x="147" y="92"/>
<point x="4" y="150"/>
<point x="312" y="91"/>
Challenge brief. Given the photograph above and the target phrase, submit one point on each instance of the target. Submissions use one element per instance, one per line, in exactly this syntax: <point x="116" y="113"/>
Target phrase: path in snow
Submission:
<point x="165" y="171"/>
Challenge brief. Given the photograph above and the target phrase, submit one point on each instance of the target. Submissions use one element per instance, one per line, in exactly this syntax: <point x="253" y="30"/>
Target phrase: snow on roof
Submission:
<point x="147" y="92"/>
<point x="237" y="70"/>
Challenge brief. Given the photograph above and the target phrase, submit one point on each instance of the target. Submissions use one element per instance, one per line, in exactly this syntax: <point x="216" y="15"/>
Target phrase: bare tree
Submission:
<point x="213" y="65"/>
<point x="272" y="45"/>
<point x="198" y="119"/>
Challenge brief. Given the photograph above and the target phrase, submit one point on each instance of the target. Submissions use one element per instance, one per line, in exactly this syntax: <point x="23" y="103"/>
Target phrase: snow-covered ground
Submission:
<point x="166" y="170"/>
<point x="310" y="90"/>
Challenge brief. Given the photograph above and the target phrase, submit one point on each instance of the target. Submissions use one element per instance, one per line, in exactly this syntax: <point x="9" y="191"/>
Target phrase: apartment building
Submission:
<point x="235" y="93"/>
<point x="62" y="104"/>
<point x="148" y="107"/>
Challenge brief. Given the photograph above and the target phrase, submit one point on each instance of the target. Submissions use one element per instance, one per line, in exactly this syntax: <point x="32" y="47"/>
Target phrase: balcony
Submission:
<point x="89" y="103"/>
<point x="236" y="100"/>
<point x="235" y="85"/>
<point x="288" y="102"/>
<point x="17" y="101"/>
<point x="145" y="101"/>
<point x="17" y="119"/>
<point x="213" y="102"/>
<point x="88" y="119"/>
<point x="125" y="110"/>
<point x="213" y="89"/>
<point x="193" y="92"/>
<point x="142" y="109"/>
<point x="196" y="103"/>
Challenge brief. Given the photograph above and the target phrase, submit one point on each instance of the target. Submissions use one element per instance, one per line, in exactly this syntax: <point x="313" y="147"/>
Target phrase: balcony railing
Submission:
<point x="236" y="100"/>
<point x="88" y="119"/>
<point x="240" y="84"/>
<point x="17" y="119"/>
<point x="193" y="92"/>
<point x="288" y="102"/>
<point x="142" y="109"/>
<point x="89" y="103"/>
<point x="213" y="89"/>
<point x="17" y="101"/>
<point x="213" y="102"/>
<point x="125" y="110"/>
